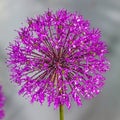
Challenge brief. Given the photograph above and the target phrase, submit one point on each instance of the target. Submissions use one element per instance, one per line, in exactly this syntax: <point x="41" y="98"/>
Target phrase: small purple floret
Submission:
<point x="2" y="102"/>
<point x="59" y="57"/>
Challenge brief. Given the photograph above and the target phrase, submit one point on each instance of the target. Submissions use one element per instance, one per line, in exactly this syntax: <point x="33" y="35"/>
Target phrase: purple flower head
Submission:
<point x="2" y="102"/>
<point x="58" y="56"/>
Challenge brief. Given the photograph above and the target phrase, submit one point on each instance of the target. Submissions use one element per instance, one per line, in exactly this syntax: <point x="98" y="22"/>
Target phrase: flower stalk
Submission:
<point x="61" y="110"/>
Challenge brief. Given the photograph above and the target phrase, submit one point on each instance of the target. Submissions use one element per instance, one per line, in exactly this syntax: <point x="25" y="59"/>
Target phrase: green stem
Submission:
<point x="61" y="112"/>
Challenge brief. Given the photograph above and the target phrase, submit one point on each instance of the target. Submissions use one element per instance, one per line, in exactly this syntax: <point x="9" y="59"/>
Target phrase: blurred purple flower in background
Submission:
<point x="59" y="57"/>
<point x="2" y="102"/>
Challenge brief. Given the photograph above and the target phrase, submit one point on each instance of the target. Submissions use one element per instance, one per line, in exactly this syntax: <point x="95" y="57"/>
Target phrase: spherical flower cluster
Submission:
<point x="2" y="102"/>
<point x="58" y="56"/>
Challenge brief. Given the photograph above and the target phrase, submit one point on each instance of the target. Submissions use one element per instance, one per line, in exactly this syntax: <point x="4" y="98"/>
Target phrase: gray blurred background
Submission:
<point x="104" y="14"/>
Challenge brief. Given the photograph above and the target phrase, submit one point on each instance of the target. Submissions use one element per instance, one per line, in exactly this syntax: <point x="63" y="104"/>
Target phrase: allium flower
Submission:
<point x="2" y="101"/>
<point x="58" y="56"/>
